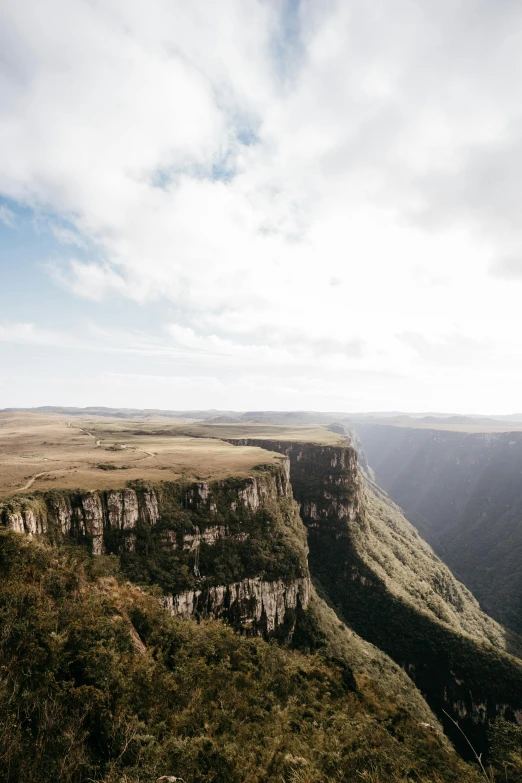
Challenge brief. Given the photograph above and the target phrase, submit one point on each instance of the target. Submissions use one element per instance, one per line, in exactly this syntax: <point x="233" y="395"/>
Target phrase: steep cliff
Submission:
<point x="390" y="587"/>
<point x="463" y="492"/>
<point x="232" y="548"/>
<point x="236" y="549"/>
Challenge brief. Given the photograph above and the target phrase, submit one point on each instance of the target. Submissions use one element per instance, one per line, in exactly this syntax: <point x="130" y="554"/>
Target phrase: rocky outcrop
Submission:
<point x="209" y="536"/>
<point x="242" y="519"/>
<point x="250" y="493"/>
<point x="91" y="514"/>
<point x="262" y="605"/>
<point x="81" y="514"/>
<point x="24" y="518"/>
<point x="325" y="478"/>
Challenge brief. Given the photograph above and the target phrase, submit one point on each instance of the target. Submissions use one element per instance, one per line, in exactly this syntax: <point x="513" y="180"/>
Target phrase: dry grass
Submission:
<point x="320" y="435"/>
<point x="68" y="453"/>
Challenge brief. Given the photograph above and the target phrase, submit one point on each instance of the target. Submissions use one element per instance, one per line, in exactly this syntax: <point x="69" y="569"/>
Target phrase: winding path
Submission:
<point x="98" y="442"/>
<point x="143" y="451"/>
<point x="31" y="481"/>
<point x="85" y="432"/>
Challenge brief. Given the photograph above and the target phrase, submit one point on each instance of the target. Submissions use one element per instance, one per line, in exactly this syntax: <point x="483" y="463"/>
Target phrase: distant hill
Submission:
<point x="282" y="417"/>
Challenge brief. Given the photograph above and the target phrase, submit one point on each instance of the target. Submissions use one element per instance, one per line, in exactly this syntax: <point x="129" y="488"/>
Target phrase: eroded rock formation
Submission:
<point x="264" y="605"/>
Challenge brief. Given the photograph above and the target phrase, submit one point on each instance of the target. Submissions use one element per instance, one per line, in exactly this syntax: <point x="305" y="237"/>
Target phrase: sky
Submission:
<point x="261" y="204"/>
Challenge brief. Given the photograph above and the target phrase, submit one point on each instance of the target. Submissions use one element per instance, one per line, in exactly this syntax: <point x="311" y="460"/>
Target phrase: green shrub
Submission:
<point x="98" y="683"/>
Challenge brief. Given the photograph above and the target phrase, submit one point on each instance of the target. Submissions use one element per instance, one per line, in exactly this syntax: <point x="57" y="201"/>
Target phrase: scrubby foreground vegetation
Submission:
<point x="98" y="683"/>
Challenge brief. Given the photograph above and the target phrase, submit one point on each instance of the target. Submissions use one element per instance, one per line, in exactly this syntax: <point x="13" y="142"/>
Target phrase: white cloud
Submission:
<point x="90" y="280"/>
<point x="30" y="334"/>
<point x="67" y="237"/>
<point x="7" y="216"/>
<point x="374" y="191"/>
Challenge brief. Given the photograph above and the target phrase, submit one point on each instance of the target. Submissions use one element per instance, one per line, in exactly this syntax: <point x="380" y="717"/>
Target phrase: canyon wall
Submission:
<point x="390" y="587"/>
<point x="233" y="548"/>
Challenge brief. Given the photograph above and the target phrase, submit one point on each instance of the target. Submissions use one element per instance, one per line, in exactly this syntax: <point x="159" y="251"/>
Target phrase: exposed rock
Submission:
<point x="123" y="509"/>
<point x="15" y="521"/>
<point x="24" y="520"/>
<point x="262" y="603"/>
<point x="31" y="522"/>
<point x="169" y="779"/>
<point x="114" y="509"/>
<point x="151" y="506"/>
<point x="211" y="535"/>
<point x="93" y="515"/>
<point x="60" y="508"/>
<point x="393" y="591"/>
<point x="89" y="513"/>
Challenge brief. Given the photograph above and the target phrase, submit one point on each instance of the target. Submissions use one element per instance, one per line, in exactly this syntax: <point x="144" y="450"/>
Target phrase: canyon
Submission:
<point x="299" y="546"/>
<point x="463" y="492"/>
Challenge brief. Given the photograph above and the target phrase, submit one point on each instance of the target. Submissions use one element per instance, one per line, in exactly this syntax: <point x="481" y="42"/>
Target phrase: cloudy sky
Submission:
<point x="261" y="204"/>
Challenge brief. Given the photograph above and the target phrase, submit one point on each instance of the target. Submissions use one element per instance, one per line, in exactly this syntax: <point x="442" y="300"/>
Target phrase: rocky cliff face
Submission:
<point x="464" y="494"/>
<point x="228" y="548"/>
<point x="325" y="479"/>
<point x="76" y="514"/>
<point x="262" y="605"/>
<point x="390" y="587"/>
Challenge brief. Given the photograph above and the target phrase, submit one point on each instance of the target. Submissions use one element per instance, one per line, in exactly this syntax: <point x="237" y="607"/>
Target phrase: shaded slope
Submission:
<point x="464" y="494"/>
<point x="233" y="548"/>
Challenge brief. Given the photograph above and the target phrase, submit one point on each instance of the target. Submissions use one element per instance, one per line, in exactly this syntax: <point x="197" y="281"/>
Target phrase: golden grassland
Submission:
<point x="295" y="433"/>
<point x="49" y="451"/>
<point x="39" y="452"/>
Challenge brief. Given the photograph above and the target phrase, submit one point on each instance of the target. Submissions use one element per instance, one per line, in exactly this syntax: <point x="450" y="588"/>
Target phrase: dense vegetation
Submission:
<point x="99" y="684"/>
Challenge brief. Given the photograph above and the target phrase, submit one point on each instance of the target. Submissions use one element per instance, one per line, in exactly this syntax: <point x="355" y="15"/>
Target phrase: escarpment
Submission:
<point x="86" y="515"/>
<point x="249" y="602"/>
<point x="390" y="587"/>
<point x="236" y="548"/>
<point x="233" y="548"/>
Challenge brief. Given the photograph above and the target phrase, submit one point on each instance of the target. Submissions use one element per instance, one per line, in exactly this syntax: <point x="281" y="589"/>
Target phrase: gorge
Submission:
<point x="296" y="546"/>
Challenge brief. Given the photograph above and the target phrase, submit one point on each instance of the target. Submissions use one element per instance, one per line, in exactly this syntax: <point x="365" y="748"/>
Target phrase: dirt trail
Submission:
<point x="148" y="453"/>
<point x="33" y="479"/>
<point x="85" y="432"/>
<point x="28" y="484"/>
<point x="98" y="442"/>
